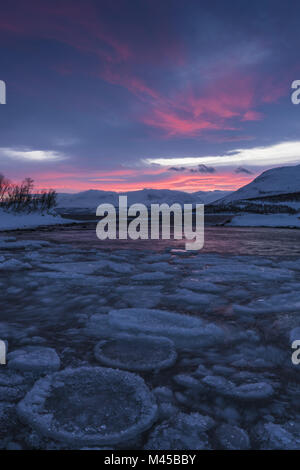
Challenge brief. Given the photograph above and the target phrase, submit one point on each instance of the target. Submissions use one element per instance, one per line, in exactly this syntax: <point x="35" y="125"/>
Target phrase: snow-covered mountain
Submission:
<point x="159" y="196"/>
<point x="283" y="180"/>
<point x="86" y="199"/>
<point x="208" y="197"/>
<point x="92" y="198"/>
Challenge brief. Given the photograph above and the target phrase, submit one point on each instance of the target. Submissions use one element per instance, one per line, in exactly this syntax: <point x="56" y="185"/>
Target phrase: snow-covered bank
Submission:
<point x="265" y="220"/>
<point x="13" y="221"/>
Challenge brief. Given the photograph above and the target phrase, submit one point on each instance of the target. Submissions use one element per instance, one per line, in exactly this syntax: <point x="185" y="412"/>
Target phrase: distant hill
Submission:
<point x="92" y="198"/>
<point x="277" y="181"/>
<point x="208" y="197"/>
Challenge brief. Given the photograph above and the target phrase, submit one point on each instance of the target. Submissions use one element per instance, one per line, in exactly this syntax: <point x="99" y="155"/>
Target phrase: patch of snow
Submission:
<point x="269" y="220"/>
<point x="13" y="221"/>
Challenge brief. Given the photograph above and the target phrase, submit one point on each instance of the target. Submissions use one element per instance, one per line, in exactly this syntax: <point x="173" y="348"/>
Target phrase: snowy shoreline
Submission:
<point x="261" y="220"/>
<point x="12" y="221"/>
<point x="20" y="221"/>
<point x="239" y="222"/>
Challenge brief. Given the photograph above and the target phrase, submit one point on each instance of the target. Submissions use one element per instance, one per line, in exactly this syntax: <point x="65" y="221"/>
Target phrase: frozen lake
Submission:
<point x="143" y="345"/>
<point x="233" y="240"/>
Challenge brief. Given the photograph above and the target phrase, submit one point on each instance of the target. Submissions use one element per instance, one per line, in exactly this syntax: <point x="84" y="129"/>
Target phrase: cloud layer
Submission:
<point x="117" y="84"/>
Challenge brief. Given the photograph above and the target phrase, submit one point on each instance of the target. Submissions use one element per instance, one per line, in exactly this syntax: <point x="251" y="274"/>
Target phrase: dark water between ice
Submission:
<point x="258" y="241"/>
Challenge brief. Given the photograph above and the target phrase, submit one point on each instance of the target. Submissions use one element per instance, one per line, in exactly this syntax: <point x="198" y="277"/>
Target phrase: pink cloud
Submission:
<point x="252" y="116"/>
<point x="229" y="98"/>
<point x="172" y="124"/>
<point x="216" y="106"/>
<point x="131" y="82"/>
<point x="129" y="179"/>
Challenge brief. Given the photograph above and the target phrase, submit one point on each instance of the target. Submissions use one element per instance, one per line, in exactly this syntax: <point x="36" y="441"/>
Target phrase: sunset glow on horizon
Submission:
<point x="189" y="183"/>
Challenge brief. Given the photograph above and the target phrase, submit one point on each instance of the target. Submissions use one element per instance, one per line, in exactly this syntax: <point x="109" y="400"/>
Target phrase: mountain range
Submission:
<point x="273" y="185"/>
<point x="92" y="198"/>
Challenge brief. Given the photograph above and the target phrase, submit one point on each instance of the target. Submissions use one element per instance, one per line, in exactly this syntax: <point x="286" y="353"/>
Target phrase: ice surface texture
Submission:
<point x="181" y="432"/>
<point x="89" y="406"/>
<point x="136" y="353"/>
<point x="234" y="320"/>
<point x="34" y="359"/>
<point x="185" y="331"/>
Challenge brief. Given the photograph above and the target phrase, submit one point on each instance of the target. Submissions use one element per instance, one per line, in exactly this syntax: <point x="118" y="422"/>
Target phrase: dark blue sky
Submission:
<point x="113" y="94"/>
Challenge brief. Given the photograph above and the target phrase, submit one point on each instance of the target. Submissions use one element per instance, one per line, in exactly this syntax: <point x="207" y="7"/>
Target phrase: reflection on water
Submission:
<point x="241" y="241"/>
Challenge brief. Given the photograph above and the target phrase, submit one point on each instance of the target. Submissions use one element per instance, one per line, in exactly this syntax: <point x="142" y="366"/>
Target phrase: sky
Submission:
<point x="125" y="95"/>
